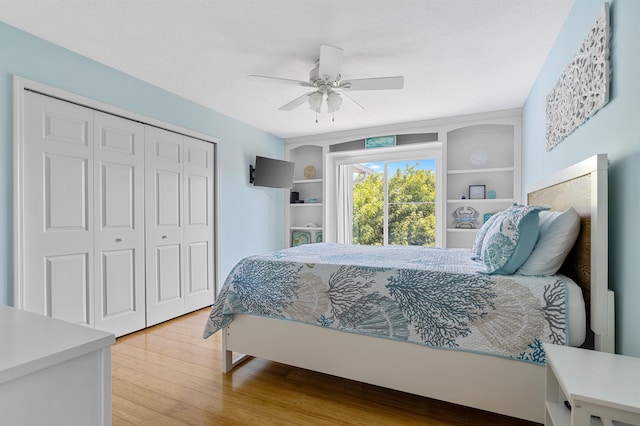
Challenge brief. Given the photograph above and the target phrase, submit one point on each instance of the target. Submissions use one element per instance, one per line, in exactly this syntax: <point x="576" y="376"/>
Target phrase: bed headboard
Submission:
<point x="583" y="186"/>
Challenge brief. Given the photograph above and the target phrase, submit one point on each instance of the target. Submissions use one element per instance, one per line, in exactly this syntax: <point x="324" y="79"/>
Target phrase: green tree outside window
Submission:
<point x="411" y="208"/>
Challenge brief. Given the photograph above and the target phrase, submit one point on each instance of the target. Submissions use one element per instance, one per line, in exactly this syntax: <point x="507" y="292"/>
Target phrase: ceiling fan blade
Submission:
<point x="379" y="83"/>
<point x="296" y="102"/>
<point x="279" y="80"/>
<point x="330" y="59"/>
<point x="352" y="100"/>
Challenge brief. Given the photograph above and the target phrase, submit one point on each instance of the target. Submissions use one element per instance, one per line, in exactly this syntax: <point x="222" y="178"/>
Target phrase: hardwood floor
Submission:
<point x="169" y="375"/>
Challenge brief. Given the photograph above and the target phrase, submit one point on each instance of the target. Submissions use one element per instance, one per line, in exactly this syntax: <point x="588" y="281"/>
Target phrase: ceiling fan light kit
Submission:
<point x="333" y="101"/>
<point x="326" y="81"/>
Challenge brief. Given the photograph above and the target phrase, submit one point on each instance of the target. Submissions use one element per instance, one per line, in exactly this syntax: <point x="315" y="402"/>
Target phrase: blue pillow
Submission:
<point x="476" y="248"/>
<point x="510" y="239"/>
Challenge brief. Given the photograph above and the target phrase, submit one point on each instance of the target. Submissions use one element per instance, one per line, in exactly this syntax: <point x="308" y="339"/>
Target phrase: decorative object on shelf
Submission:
<point x="318" y="237"/>
<point x="466" y="217"/>
<point x="487" y="216"/>
<point x="300" y="237"/>
<point x="583" y="87"/>
<point x="464" y="197"/>
<point x="478" y="158"/>
<point x="295" y="197"/>
<point x="311" y="200"/>
<point x="380" y="142"/>
<point x="311" y="225"/>
<point x="477" y="192"/>
<point x="491" y="195"/>
<point x="309" y="172"/>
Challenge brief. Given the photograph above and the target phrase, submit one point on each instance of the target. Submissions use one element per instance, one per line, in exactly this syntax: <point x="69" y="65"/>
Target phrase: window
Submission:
<point x="394" y="203"/>
<point x="387" y="197"/>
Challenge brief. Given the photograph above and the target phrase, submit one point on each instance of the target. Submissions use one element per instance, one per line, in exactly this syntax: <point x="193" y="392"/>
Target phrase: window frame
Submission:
<point x="418" y="151"/>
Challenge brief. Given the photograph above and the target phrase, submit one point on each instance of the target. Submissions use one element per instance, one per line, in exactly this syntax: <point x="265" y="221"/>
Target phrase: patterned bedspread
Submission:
<point x="428" y="296"/>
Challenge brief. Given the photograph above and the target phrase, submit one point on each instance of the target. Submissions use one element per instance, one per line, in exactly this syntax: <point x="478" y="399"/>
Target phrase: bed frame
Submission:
<point x="504" y="386"/>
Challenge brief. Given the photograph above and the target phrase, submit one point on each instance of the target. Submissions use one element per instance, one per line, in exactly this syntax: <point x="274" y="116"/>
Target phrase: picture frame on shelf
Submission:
<point x="477" y="192"/>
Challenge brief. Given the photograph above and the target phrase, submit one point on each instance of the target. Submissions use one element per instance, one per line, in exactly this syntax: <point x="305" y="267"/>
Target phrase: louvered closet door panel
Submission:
<point x="198" y="229"/>
<point x="164" y="224"/>
<point x="119" y="220"/>
<point x="58" y="209"/>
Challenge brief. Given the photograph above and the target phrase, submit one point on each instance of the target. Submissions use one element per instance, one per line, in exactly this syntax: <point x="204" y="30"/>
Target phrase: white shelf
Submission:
<point x="306" y="204"/>
<point x="480" y="200"/>
<point x="306" y="228"/>
<point x="483" y="154"/>
<point x="299" y="181"/>
<point x="464" y="230"/>
<point x="491" y="170"/>
<point x="299" y="214"/>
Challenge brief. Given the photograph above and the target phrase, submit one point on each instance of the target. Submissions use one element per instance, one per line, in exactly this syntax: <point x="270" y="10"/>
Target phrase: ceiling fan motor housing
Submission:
<point x="319" y="81"/>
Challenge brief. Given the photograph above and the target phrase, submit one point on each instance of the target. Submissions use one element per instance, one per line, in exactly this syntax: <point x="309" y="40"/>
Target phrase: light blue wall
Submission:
<point x="613" y="130"/>
<point x="251" y="218"/>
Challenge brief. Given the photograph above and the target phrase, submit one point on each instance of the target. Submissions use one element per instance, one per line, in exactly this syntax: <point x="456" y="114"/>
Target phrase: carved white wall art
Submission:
<point x="583" y="87"/>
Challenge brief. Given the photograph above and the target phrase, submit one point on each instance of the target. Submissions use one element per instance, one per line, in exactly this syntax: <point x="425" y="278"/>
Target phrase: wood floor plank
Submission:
<point x="169" y="375"/>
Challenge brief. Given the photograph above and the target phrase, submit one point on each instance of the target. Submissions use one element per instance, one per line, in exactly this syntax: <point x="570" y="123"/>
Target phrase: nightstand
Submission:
<point x="602" y="388"/>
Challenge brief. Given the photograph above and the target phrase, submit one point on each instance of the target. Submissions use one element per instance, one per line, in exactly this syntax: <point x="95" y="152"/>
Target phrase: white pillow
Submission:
<point x="558" y="232"/>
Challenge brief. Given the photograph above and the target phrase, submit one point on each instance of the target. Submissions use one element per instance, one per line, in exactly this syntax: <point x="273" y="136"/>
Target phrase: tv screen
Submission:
<point x="273" y="173"/>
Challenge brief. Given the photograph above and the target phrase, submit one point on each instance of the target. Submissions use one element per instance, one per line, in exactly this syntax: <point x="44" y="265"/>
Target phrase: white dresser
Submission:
<point x="53" y="372"/>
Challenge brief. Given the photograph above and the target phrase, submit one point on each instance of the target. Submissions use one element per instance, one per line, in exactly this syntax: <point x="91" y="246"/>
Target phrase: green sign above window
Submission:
<point x="380" y="142"/>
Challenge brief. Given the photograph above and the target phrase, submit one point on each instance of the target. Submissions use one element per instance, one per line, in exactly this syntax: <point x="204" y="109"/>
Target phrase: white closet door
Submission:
<point x="119" y="224"/>
<point x="164" y="224"/>
<point x="58" y="209"/>
<point x="198" y="223"/>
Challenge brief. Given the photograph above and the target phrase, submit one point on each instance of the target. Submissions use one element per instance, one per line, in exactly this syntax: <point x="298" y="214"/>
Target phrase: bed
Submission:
<point x="455" y="366"/>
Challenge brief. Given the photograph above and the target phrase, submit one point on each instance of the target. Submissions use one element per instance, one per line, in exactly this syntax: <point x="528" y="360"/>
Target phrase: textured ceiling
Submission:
<point x="457" y="56"/>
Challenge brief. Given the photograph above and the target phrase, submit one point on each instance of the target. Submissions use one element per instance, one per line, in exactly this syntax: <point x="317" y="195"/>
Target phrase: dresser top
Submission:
<point x="30" y="342"/>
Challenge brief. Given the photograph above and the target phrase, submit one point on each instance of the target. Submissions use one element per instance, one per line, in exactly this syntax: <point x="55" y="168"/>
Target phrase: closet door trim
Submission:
<point x="20" y="85"/>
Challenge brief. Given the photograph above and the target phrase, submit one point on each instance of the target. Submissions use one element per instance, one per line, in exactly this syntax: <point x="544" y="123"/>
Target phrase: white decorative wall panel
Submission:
<point x="583" y="87"/>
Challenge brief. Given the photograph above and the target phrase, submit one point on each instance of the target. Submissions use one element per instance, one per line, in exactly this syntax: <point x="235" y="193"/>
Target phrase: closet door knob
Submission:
<point x="164" y="237"/>
<point x="119" y="240"/>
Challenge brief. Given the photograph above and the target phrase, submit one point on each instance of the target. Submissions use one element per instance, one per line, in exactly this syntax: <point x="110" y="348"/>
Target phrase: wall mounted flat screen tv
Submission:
<point x="272" y="173"/>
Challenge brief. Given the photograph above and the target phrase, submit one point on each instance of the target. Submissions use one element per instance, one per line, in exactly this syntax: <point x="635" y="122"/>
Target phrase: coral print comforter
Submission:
<point x="427" y="296"/>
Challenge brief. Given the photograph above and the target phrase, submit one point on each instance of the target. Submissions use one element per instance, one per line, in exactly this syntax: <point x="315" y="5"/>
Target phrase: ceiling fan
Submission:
<point x="328" y="85"/>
